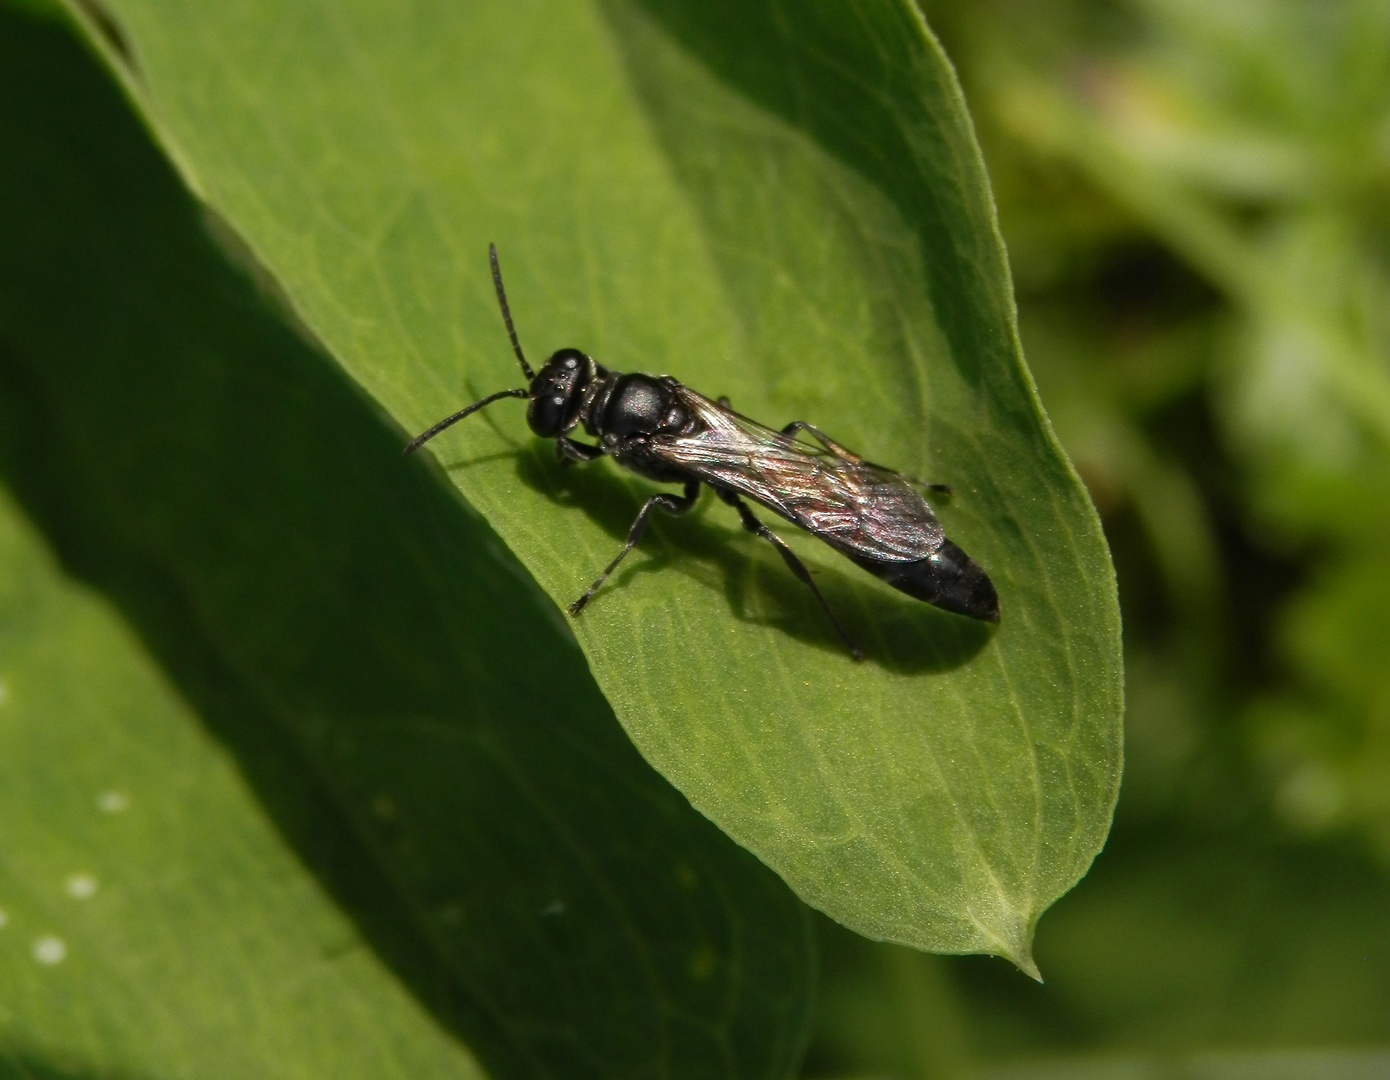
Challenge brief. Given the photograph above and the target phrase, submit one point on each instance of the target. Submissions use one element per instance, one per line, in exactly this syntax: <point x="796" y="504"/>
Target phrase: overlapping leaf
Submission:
<point x="517" y="878"/>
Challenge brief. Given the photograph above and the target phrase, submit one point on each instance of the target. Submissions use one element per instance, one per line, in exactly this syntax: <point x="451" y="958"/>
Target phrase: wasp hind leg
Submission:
<point x="675" y="505"/>
<point x="797" y="426"/>
<point x="791" y="431"/>
<point x="794" y="564"/>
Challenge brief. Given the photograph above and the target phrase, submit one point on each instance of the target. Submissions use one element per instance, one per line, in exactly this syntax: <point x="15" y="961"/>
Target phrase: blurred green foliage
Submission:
<point x="1195" y="195"/>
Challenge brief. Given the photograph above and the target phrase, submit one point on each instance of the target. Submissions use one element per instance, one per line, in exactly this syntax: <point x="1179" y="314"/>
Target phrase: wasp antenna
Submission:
<point x="506" y="311"/>
<point x="426" y="436"/>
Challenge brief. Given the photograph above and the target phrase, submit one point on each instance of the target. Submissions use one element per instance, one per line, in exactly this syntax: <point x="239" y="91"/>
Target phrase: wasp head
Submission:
<point x="557" y="393"/>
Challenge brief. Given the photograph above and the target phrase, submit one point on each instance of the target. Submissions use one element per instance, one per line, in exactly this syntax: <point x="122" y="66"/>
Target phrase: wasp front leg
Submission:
<point x="567" y="451"/>
<point x="675" y="505"/>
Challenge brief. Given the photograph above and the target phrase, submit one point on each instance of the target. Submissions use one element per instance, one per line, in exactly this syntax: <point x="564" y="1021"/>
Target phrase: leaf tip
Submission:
<point x="1016" y="946"/>
<point x="1026" y="964"/>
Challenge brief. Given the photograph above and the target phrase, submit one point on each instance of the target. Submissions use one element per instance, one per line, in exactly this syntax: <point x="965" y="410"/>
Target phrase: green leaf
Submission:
<point x="152" y="916"/>
<point x="782" y="203"/>
<point x="469" y="849"/>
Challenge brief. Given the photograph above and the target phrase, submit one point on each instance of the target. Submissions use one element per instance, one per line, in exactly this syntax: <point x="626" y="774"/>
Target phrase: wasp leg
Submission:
<point x="796" y="426"/>
<point x="567" y="451"/>
<point x="797" y="567"/>
<point x="675" y="505"/>
<point x="835" y="448"/>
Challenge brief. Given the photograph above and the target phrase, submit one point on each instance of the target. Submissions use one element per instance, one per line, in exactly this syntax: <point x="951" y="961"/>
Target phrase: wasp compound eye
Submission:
<point x="546" y="414"/>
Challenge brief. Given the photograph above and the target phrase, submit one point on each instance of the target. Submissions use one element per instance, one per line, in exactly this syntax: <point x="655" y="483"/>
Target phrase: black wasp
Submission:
<point x="667" y="432"/>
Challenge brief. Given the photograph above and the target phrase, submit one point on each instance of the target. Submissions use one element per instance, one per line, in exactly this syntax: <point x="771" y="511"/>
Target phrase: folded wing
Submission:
<point x="860" y="509"/>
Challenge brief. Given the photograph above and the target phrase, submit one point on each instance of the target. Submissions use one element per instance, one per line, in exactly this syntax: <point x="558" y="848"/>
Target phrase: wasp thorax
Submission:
<point x="641" y="405"/>
<point x="557" y="392"/>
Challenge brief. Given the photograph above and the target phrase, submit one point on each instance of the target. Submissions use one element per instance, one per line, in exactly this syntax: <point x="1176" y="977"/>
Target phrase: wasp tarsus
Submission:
<point x="663" y="430"/>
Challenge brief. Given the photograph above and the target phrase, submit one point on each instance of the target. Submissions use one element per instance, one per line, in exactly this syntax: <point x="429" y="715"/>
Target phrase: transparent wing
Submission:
<point x="854" y="506"/>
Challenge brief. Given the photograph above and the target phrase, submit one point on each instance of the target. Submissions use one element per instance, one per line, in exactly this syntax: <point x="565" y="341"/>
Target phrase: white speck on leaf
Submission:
<point x="555" y="907"/>
<point x="81" y="886"/>
<point x="112" y="802"/>
<point x="50" y="950"/>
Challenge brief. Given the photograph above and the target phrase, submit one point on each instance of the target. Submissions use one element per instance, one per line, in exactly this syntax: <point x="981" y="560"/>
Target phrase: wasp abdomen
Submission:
<point x="949" y="579"/>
